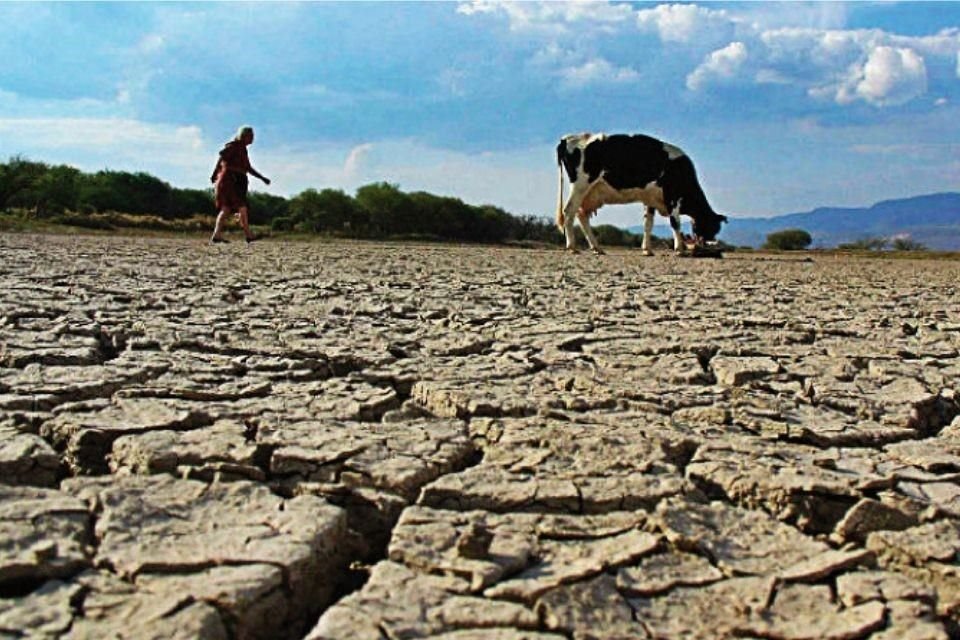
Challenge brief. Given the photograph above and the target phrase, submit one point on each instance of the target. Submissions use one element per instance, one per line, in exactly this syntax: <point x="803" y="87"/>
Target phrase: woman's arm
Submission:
<point x="255" y="173"/>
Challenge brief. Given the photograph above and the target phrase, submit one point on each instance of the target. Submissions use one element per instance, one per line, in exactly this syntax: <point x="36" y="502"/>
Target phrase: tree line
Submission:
<point x="375" y="211"/>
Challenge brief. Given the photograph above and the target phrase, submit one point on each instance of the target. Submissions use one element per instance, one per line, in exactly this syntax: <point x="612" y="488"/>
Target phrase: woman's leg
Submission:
<point x="244" y="222"/>
<point x="221" y="223"/>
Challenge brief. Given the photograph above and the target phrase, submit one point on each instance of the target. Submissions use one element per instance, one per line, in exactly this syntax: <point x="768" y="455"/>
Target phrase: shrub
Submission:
<point x="908" y="244"/>
<point x="865" y="244"/>
<point x="788" y="240"/>
<point x="82" y="221"/>
<point x="282" y="224"/>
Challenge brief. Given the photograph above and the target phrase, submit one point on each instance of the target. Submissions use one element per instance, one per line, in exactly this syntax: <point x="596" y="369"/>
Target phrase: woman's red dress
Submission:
<point x="231" y="184"/>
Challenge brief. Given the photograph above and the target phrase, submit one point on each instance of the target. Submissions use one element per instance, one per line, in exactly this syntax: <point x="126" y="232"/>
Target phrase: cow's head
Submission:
<point x="706" y="226"/>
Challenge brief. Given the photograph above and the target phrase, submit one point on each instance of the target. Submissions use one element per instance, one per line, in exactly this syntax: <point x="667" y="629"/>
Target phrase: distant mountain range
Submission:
<point x="933" y="220"/>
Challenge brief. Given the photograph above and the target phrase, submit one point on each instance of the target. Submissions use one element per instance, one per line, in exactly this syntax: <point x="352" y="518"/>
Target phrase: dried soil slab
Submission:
<point x="26" y="459"/>
<point x="44" y="534"/>
<point x="580" y="610"/>
<point x="910" y="604"/>
<point x="221" y="451"/>
<point x="662" y="572"/>
<point x="807" y="612"/>
<point x="99" y="605"/>
<point x="87" y="438"/>
<point x="927" y="553"/>
<point x="200" y="376"/>
<point x="50" y="386"/>
<point x="396" y="457"/>
<point x="794" y="482"/>
<point x="350" y="398"/>
<point x="737" y="371"/>
<point x="743" y="542"/>
<point x="31" y="347"/>
<point x="818" y="425"/>
<point x="236" y="544"/>
<point x="501" y="361"/>
<point x="517" y="557"/>
<point x="656" y="360"/>
<point x="487" y="398"/>
<point x="544" y="465"/>
<point x="713" y="612"/>
<point x="870" y="515"/>
<point x="939" y="455"/>
<point x="115" y="608"/>
<point x="569" y="382"/>
<point x="903" y="402"/>
<point x="404" y="603"/>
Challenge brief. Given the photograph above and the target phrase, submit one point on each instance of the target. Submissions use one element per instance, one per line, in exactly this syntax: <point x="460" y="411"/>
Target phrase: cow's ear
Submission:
<point x="723" y="219"/>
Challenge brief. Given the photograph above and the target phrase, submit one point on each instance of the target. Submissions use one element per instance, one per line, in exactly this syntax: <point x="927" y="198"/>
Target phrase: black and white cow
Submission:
<point x="618" y="169"/>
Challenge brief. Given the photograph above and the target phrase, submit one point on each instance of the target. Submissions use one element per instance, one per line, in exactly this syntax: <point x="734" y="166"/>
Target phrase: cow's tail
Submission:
<point x="560" y="216"/>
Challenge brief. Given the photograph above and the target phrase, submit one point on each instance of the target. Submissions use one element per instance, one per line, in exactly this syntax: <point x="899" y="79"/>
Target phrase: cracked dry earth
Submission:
<point x="361" y="441"/>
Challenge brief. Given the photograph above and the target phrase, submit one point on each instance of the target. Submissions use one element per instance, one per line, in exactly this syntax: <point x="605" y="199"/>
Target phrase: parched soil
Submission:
<point x="348" y="440"/>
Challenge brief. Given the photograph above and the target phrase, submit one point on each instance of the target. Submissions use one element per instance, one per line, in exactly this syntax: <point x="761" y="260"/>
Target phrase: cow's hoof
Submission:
<point x="599" y="252"/>
<point x="646" y="252"/>
<point x="573" y="250"/>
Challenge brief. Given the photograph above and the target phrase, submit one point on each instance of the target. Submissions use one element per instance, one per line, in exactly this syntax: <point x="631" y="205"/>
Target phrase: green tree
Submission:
<point x="612" y="236"/>
<point x="137" y="193"/>
<point x="18" y="179"/>
<point x="908" y="244"/>
<point x="190" y="202"/>
<point x="788" y="240"/>
<point x="439" y="216"/>
<point x="57" y="190"/>
<point x="388" y="210"/>
<point x="327" y="211"/>
<point x="264" y="207"/>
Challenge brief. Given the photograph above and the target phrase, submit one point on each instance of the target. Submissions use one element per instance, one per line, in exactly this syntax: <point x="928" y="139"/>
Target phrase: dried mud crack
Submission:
<point x="395" y="441"/>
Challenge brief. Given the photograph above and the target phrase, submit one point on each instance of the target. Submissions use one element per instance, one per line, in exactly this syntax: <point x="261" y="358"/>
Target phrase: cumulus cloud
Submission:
<point x="551" y="17"/>
<point x="844" y="66"/>
<point x="892" y="76"/>
<point x="794" y="45"/>
<point x="685" y="22"/>
<point x="577" y="69"/>
<point x="720" y="64"/>
<point x="597" y="71"/>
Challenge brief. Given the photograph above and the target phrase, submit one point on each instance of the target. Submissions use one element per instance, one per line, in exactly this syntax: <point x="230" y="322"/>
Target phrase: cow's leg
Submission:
<point x="584" y="218"/>
<point x="570" y="212"/>
<point x="678" y="244"/>
<point x="647" y="231"/>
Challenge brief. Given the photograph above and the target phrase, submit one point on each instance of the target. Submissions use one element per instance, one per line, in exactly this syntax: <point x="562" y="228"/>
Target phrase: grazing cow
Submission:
<point x="618" y="169"/>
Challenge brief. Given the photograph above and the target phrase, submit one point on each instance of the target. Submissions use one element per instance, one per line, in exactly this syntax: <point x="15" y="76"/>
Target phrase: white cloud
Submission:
<point x="176" y="153"/>
<point x="114" y="133"/>
<point x="551" y="17"/>
<point x="151" y="43"/>
<point x="597" y="71"/>
<point x="685" y="22"/>
<point x="845" y="66"/>
<point x="889" y="76"/>
<point x="803" y="45"/>
<point x="721" y="64"/>
<point x="354" y="164"/>
<point x="577" y="70"/>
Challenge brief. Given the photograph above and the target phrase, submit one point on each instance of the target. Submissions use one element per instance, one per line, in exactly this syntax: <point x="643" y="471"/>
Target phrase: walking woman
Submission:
<point x="230" y="183"/>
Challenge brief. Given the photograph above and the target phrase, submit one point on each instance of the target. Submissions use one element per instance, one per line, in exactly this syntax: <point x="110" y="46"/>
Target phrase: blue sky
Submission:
<point x="782" y="106"/>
